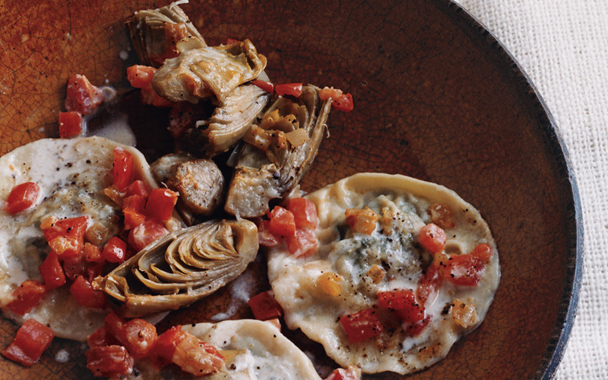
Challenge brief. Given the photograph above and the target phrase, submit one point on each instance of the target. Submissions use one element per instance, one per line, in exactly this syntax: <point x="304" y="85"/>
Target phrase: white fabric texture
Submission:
<point x="563" y="47"/>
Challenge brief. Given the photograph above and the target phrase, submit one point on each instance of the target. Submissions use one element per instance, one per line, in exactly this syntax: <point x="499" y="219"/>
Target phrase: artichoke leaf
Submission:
<point x="268" y="166"/>
<point x="182" y="267"/>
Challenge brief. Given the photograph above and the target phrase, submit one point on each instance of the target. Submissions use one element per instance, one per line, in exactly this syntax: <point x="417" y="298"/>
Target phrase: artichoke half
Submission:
<point x="182" y="267"/>
<point x="278" y="151"/>
<point x="156" y="32"/>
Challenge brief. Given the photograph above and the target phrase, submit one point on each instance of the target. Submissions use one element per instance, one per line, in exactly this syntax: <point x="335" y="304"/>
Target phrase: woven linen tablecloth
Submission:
<point x="563" y="47"/>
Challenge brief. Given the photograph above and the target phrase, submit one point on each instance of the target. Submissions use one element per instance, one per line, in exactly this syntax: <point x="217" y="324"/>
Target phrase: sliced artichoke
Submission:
<point x="156" y="32"/>
<point x="207" y="72"/>
<point x="182" y="267"/>
<point x="229" y="123"/>
<point x="276" y="154"/>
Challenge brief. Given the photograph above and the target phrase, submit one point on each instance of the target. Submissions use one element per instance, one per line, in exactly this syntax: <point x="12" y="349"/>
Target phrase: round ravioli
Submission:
<point x="403" y="269"/>
<point x="72" y="175"/>
<point x="252" y="349"/>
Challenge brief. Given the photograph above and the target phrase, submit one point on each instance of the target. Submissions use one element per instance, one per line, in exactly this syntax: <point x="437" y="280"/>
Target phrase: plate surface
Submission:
<point x="436" y="97"/>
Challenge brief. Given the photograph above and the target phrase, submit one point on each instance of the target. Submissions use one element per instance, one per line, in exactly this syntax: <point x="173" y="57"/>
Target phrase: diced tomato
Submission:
<point x="160" y="204"/>
<point x="146" y="233"/>
<point x="196" y="357"/>
<point x="52" y="272"/>
<point x="122" y="172"/>
<point x="94" y="270"/>
<point x="109" y="361"/>
<point x="482" y="252"/>
<point x="101" y="337"/>
<point x="70" y="124"/>
<point x="264" y="306"/>
<point x="344" y="103"/>
<point x="182" y="348"/>
<point x="92" y="253"/>
<point x="66" y="236"/>
<point x="85" y="295"/>
<point x="21" y="197"/>
<point x="114" y="324"/>
<point x="139" y="187"/>
<point x="265" y="237"/>
<point x="428" y="285"/>
<point x="362" y="220"/>
<point x="165" y="345"/>
<point x="293" y="89"/>
<point x="349" y="373"/>
<point x="140" y="76"/>
<point x="26" y="297"/>
<point x="341" y="101"/>
<point x="75" y="267"/>
<point x="137" y="335"/>
<point x="32" y="339"/>
<point x="441" y="214"/>
<point x="132" y="219"/>
<point x="115" y="250"/>
<point x="81" y="96"/>
<point x="432" y="237"/>
<point x="416" y="328"/>
<point x="281" y="222"/>
<point x="404" y="302"/>
<point x="266" y="86"/>
<point x="464" y="270"/>
<point x="303" y="243"/>
<point x="134" y="202"/>
<point x="362" y="325"/>
<point x="304" y="213"/>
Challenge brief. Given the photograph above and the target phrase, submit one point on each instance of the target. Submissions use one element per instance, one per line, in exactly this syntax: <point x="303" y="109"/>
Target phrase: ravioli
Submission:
<point x="254" y="350"/>
<point x="389" y="258"/>
<point x="72" y="174"/>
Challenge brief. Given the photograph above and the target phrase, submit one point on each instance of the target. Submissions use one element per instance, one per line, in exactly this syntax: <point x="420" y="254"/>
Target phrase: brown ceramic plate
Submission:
<point x="436" y="97"/>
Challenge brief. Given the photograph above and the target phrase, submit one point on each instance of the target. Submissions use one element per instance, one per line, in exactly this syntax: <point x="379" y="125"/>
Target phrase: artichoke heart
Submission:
<point x="278" y="151"/>
<point x="207" y="72"/>
<point x="182" y="267"/>
<point x="156" y="32"/>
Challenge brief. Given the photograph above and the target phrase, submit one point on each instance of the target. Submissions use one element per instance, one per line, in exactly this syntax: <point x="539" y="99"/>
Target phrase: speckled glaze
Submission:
<point x="436" y="98"/>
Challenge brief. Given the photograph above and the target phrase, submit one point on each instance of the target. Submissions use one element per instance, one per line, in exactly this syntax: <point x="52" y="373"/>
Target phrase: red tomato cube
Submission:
<point x="70" y="124"/>
<point x="432" y="237"/>
<point x="303" y="243"/>
<point x="26" y="297"/>
<point x="32" y="339"/>
<point x="304" y="213"/>
<point x="109" y="361"/>
<point x="66" y="236"/>
<point x="139" y="187"/>
<point x="21" y="197"/>
<point x="52" y="272"/>
<point x="362" y="325"/>
<point x="86" y="296"/>
<point x="122" y="171"/>
<point x="282" y="222"/>
<point x="115" y="250"/>
<point x="264" y="306"/>
<point x="81" y="96"/>
<point x="160" y="204"/>
<point x="146" y="233"/>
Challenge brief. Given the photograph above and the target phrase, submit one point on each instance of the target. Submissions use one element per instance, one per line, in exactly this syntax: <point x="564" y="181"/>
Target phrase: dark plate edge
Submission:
<point x="574" y="268"/>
